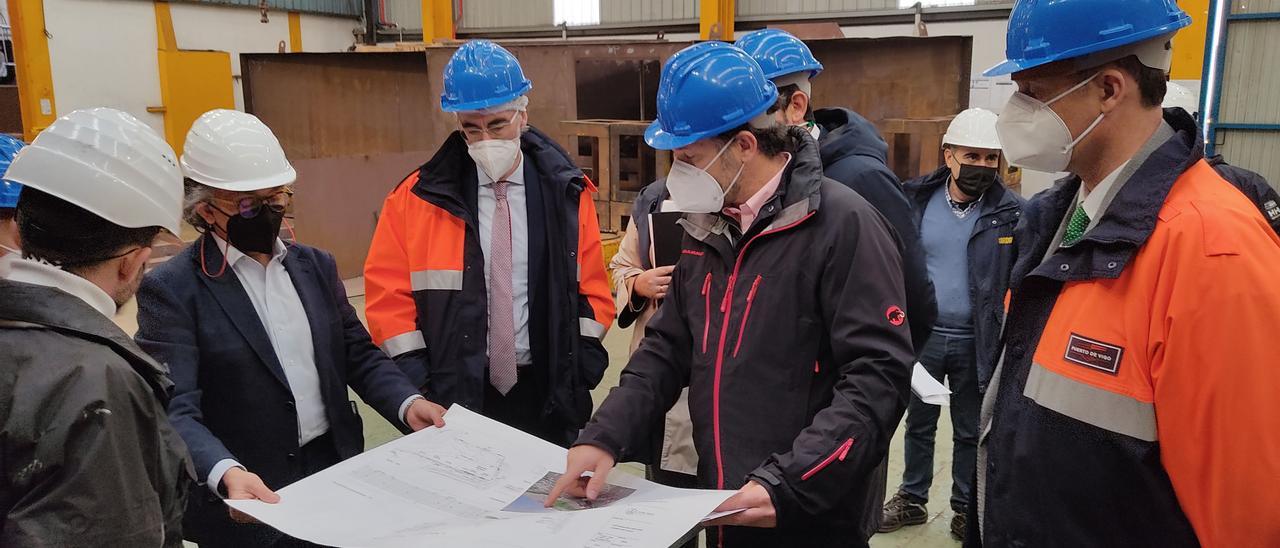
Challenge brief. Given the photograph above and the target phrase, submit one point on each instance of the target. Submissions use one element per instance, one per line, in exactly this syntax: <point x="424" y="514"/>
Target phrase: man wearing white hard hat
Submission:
<point x="87" y="457"/>
<point x="260" y="337"/>
<point x="966" y="219"/>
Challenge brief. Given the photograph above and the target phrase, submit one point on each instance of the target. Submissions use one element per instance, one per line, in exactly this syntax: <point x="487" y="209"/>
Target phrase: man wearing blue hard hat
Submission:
<point x="784" y="317"/>
<point x="485" y="280"/>
<point x="852" y="152"/>
<point x="9" y="191"/>
<point x="1134" y="404"/>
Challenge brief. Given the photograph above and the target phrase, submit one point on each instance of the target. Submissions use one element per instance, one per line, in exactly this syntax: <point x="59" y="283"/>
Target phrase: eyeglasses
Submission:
<point x="250" y="206"/>
<point x="476" y="133"/>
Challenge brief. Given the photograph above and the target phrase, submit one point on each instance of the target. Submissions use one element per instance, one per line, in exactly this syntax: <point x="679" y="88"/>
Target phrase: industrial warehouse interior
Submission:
<point x="639" y="273"/>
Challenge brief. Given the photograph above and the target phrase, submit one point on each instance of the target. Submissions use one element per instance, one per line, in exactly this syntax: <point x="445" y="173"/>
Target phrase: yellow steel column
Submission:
<point x="34" y="70"/>
<point x="716" y="21"/>
<point x="437" y="20"/>
<point x="295" y="32"/>
<point x="1188" y="45"/>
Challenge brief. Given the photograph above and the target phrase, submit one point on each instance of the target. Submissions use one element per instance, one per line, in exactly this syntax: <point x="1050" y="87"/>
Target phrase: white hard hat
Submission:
<point x="106" y="162"/>
<point x="1179" y="96"/>
<point x="235" y="151"/>
<point x="974" y="128"/>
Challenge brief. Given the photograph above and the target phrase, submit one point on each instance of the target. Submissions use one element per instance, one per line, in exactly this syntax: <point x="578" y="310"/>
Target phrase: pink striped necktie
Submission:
<point x="502" y="330"/>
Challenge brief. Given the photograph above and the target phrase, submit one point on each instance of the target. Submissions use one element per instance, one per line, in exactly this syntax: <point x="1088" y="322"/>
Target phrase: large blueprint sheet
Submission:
<point x="474" y="484"/>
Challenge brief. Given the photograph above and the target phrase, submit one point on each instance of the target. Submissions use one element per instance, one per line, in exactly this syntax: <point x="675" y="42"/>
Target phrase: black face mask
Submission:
<point x="975" y="180"/>
<point x="256" y="234"/>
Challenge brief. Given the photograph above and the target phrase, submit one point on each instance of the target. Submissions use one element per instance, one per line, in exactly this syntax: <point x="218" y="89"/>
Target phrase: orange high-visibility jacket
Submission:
<point x="425" y="287"/>
<point x="1137" y="400"/>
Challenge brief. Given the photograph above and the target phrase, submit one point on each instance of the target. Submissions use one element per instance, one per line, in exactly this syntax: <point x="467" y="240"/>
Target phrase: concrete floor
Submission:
<point x="935" y="533"/>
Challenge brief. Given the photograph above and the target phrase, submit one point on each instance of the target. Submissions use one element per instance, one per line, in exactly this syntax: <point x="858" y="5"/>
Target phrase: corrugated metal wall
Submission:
<point x="1249" y="107"/>
<point x="490" y="14"/>
<point x="349" y="8"/>
<point x="647" y="11"/>
<point x="748" y="8"/>
<point x="406" y="14"/>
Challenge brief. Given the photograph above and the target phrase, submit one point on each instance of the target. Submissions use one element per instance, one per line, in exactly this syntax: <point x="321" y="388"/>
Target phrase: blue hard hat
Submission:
<point x="707" y="89"/>
<point x="482" y="74"/>
<point x="9" y="190"/>
<point x="1045" y="31"/>
<point x="779" y="53"/>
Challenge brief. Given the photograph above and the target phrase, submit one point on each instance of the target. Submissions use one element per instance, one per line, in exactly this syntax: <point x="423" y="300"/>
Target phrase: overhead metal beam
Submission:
<point x="31" y="62"/>
<point x="716" y="22"/>
<point x="437" y="20"/>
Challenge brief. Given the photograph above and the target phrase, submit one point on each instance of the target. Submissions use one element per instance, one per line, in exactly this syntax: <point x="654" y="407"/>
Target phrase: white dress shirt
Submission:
<point x="36" y="272"/>
<point x="1091" y="200"/>
<point x="519" y="249"/>
<point x="280" y="309"/>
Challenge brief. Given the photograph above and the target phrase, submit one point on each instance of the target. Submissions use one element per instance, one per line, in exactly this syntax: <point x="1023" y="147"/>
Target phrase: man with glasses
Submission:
<point x="259" y="337"/>
<point x="485" y="280"/>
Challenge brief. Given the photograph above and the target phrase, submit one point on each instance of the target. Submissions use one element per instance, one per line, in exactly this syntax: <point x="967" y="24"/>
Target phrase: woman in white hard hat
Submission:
<point x="966" y="218"/>
<point x="260" y="337"/>
<point x="87" y="457"/>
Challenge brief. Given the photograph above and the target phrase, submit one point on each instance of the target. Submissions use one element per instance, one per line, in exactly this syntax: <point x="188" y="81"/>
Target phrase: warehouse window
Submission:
<point x="577" y="12"/>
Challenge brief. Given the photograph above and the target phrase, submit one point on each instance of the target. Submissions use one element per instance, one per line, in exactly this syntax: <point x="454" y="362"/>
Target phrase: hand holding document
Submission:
<point x="927" y="388"/>
<point x="475" y="483"/>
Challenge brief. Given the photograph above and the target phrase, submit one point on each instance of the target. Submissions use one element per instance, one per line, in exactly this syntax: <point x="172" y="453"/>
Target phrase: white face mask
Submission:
<point x="1034" y="136"/>
<point x="497" y="158"/>
<point x="693" y="190"/>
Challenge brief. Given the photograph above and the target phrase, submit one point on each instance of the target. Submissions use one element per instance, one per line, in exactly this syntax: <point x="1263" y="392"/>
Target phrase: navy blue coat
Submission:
<point x="854" y="155"/>
<point x="231" y="397"/>
<point x="991" y="256"/>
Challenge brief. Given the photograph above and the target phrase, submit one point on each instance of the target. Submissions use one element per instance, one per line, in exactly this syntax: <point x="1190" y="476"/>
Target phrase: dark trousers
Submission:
<point x="950" y="357"/>
<point x="215" y="527"/>
<point x="521" y="407"/>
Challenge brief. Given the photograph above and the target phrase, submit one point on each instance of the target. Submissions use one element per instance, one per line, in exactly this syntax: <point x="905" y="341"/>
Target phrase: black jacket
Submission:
<point x="87" y="456"/>
<point x="232" y="398"/>
<point x="854" y="154"/>
<point x="800" y="360"/>
<point x="1254" y="187"/>
<point x="991" y="255"/>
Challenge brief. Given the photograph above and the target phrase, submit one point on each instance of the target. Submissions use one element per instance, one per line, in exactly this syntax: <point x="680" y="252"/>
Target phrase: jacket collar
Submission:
<point x="796" y="198"/>
<point x="1128" y="221"/>
<point x="60" y="311"/>
<point x="441" y="180"/>
<point x="234" y="301"/>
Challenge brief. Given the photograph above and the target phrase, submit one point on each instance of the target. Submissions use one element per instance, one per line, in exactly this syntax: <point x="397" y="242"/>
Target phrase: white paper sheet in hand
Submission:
<point x="448" y="486"/>
<point x="927" y="388"/>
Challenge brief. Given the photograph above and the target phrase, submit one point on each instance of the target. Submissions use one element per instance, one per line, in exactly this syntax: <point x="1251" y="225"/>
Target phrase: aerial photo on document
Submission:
<point x="533" y="498"/>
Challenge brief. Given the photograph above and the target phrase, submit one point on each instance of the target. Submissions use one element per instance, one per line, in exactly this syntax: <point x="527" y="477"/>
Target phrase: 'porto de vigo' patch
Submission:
<point x="1095" y="354"/>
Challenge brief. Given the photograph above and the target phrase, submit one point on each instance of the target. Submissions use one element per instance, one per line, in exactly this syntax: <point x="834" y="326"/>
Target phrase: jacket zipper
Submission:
<point x="706" y="320"/>
<point x="742" y="328"/>
<point x="727" y="307"/>
<point x="839" y="455"/>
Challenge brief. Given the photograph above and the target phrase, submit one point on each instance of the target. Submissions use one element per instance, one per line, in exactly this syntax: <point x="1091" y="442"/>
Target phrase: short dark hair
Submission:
<point x="785" y="93"/>
<point x="773" y="140"/>
<point x="7" y="213"/>
<point x="63" y="234"/>
<point x="1153" y="83"/>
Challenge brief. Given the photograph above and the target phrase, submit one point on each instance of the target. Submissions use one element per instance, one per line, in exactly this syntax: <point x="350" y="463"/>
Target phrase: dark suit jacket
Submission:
<point x="231" y="397"/>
